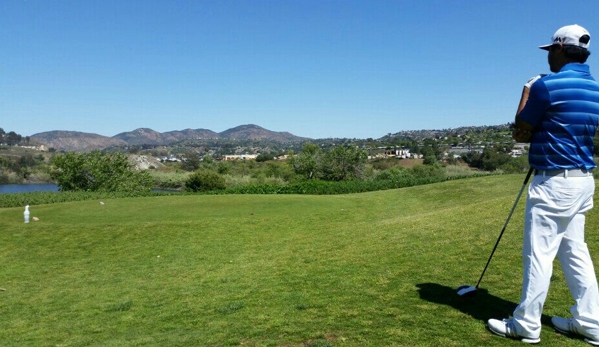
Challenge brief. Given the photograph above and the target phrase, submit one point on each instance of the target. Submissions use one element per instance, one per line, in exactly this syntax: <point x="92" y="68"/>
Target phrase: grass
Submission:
<point x="370" y="269"/>
<point x="164" y="179"/>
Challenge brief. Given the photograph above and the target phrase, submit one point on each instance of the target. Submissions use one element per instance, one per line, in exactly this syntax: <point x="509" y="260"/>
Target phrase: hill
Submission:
<point x="254" y="132"/>
<point x="372" y="269"/>
<point x="145" y="136"/>
<point x="80" y="141"/>
<point x="76" y="141"/>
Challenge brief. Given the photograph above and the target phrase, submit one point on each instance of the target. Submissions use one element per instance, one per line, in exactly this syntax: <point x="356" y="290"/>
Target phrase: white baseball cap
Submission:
<point x="573" y="35"/>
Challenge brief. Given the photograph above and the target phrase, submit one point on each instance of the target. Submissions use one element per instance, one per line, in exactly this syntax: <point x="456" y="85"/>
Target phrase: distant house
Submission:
<point x="171" y="158"/>
<point x="242" y="157"/>
<point x="516" y="153"/>
<point x="41" y="148"/>
<point x="398" y="153"/>
<point x="461" y="150"/>
<point x="392" y="153"/>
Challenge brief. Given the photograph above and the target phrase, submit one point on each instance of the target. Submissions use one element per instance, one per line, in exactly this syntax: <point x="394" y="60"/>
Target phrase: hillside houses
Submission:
<point x="170" y="159"/>
<point x="240" y="156"/>
<point x="400" y="153"/>
<point x="41" y="148"/>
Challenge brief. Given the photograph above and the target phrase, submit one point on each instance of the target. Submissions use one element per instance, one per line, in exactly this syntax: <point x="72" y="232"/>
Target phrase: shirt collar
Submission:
<point x="575" y="67"/>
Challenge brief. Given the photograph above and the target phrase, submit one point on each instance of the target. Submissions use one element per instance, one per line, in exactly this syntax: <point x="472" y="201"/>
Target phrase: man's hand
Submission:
<point x="521" y="135"/>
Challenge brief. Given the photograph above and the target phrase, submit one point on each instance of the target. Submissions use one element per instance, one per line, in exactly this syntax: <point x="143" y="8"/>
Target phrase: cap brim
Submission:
<point x="546" y="47"/>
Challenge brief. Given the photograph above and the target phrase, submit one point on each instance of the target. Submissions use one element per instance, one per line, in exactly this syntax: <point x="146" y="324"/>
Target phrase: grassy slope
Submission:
<point x="372" y="269"/>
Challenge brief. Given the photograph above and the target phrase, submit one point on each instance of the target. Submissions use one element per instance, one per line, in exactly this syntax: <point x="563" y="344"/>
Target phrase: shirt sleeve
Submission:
<point x="536" y="105"/>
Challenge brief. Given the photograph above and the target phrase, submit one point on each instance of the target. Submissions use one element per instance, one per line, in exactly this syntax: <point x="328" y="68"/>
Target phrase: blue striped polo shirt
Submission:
<point x="563" y="108"/>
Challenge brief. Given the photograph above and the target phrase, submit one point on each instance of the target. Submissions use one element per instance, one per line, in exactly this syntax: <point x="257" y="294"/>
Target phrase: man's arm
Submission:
<point x="522" y="131"/>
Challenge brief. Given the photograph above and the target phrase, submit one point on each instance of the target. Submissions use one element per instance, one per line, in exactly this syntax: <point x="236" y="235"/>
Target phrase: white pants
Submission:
<point x="554" y="225"/>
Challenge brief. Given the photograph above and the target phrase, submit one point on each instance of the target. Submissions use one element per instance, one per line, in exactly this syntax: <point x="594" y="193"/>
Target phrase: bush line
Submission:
<point x="307" y="187"/>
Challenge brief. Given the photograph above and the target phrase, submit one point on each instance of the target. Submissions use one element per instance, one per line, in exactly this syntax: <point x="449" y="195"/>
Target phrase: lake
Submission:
<point x="24" y="188"/>
<point x="48" y="187"/>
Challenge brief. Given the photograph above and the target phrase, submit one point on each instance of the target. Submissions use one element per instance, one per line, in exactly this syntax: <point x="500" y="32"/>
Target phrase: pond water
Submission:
<point x="24" y="188"/>
<point x="48" y="187"/>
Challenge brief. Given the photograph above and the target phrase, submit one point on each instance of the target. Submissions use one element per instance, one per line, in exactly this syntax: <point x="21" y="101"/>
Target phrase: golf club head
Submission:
<point x="466" y="291"/>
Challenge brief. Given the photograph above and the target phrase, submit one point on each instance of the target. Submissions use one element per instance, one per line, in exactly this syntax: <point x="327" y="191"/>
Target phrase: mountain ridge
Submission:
<point x="76" y="140"/>
<point x="83" y="141"/>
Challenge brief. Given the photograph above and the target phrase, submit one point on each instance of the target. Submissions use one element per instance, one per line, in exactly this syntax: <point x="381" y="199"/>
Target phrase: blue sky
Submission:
<point x="315" y="68"/>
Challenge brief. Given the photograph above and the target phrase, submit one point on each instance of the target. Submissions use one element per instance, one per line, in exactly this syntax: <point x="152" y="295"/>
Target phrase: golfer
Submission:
<point x="558" y="115"/>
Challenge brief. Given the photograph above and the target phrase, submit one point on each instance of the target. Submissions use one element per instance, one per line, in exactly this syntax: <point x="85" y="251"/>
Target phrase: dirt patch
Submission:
<point x="144" y="162"/>
<point x="410" y="162"/>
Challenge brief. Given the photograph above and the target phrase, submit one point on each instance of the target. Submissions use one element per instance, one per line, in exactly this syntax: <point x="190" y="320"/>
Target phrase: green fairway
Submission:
<point x="370" y="269"/>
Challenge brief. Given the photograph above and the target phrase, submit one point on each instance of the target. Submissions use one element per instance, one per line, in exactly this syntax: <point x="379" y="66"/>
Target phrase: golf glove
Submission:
<point x="533" y="80"/>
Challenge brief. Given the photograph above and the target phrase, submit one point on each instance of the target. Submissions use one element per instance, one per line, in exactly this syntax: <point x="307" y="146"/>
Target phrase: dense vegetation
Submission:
<point x="11" y="138"/>
<point x="451" y="152"/>
<point x="98" y="172"/>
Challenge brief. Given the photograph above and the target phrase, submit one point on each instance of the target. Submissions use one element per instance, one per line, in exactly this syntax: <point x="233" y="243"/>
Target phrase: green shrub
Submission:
<point x="393" y="173"/>
<point x="241" y="181"/>
<point x="318" y="187"/>
<point x="98" y="172"/>
<point x="263" y="157"/>
<point x="516" y="165"/>
<point x="205" y="180"/>
<point x="224" y="167"/>
<point x="434" y="171"/>
<point x="340" y="163"/>
<point x="169" y="179"/>
<point x="388" y="179"/>
<point x="452" y="171"/>
<point x="384" y="163"/>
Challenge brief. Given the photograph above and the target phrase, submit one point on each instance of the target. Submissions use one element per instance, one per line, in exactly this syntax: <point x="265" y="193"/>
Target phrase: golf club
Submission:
<point x="467" y="290"/>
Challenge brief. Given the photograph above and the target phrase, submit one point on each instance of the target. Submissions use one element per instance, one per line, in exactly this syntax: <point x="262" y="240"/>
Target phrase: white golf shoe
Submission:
<point x="566" y="326"/>
<point x="505" y="328"/>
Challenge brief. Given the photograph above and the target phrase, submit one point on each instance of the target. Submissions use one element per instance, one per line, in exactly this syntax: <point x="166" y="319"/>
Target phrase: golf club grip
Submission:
<point x="505" y="224"/>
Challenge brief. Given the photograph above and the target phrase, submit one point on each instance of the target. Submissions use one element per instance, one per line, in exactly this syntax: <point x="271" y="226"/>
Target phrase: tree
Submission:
<point x="489" y="160"/>
<point x="27" y="161"/>
<point x="224" y="168"/>
<point x="13" y="138"/>
<point x="262" y="157"/>
<point x="431" y="150"/>
<point x="205" y="180"/>
<point x="191" y="162"/>
<point x="430" y="159"/>
<point x="343" y="163"/>
<point x="516" y="165"/>
<point x="306" y="162"/>
<point x="492" y="158"/>
<point x="96" y="171"/>
<point x="337" y="164"/>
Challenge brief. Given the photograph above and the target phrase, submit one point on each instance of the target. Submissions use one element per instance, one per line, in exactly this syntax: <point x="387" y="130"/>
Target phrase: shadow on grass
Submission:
<point x="483" y="306"/>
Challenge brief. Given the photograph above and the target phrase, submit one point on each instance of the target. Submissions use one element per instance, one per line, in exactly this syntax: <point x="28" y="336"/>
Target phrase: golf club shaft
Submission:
<point x="505" y="224"/>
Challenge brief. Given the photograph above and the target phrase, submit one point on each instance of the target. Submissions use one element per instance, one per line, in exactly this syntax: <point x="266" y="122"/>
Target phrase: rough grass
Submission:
<point x="370" y="269"/>
<point x="164" y="179"/>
